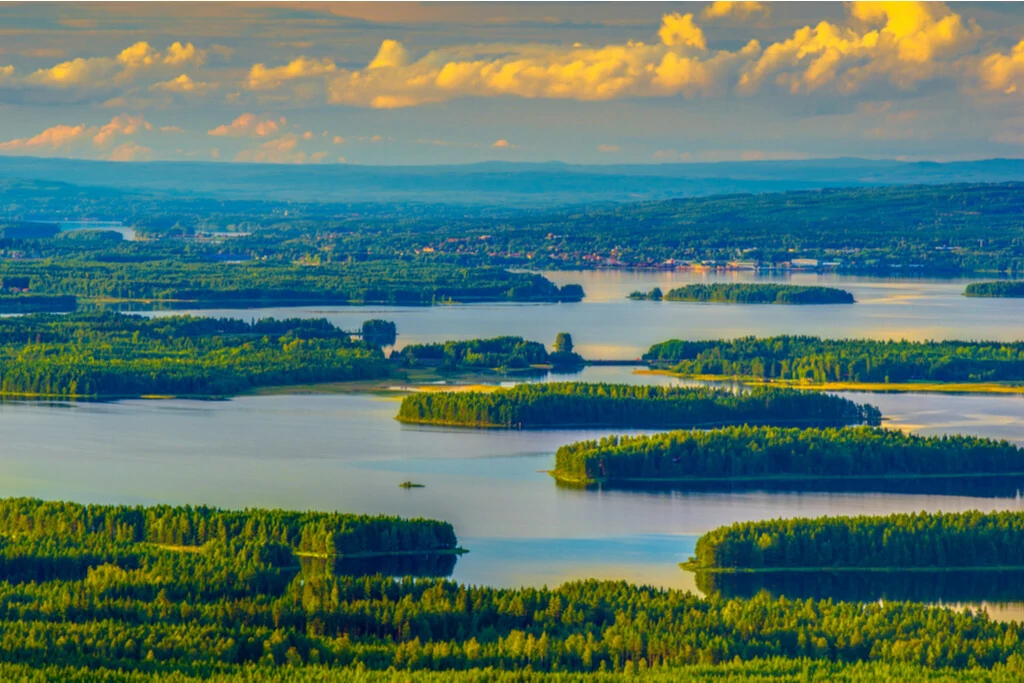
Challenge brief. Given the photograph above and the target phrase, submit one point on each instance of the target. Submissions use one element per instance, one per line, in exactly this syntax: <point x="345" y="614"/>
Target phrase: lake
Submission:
<point x="346" y="452"/>
<point x="606" y="325"/>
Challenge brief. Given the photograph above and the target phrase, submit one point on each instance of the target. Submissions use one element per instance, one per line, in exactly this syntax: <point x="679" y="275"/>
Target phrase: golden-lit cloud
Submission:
<point x="263" y="78"/>
<point x="122" y="125"/>
<point x="679" y="29"/>
<point x="53" y="138"/>
<point x="739" y="10"/>
<point x="138" y="55"/>
<point x="1000" y="71"/>
<point x="249" y="125"/>
<point x="88" y="140"/>
<point x="901" y="43"/>
<point x="125" y="66"/>
<point x="6" y="72"/>
<point x="607" y="148"/>
<point x="282" y="150"/>
<point x="178" y="54"/>
<point x="129" y="151"/>
<point x="183" y="84"/>
<point x="678" y="63"/>
<point x="502" y="144"/>
<point x="898" y="41"/>
<point x="171" y="129"/>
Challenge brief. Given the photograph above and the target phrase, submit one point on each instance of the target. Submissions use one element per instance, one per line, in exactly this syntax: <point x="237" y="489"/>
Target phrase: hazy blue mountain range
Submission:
<point x="498" y="183"/>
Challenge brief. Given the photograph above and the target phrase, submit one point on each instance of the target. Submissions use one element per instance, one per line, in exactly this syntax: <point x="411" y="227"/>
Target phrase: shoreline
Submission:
<point x="782" y="478"/>
<point x="1013" y="387"/>
<point x="930" y="569"/>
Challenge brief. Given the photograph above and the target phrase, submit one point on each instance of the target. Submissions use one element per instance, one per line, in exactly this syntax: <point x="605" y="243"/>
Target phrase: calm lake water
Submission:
<point x="346" y="452"/>
<point x="607" y="325"/>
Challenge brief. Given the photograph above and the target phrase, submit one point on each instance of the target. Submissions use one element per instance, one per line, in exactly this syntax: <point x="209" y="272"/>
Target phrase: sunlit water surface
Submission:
<point x="346" y="452"/>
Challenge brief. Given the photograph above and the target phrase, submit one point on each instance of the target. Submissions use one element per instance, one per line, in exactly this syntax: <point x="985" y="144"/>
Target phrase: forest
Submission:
<point x="899" y="541"/>
<point x="97" y="588"/>
<point x="1000" y="288"/>
<point x="766" y="452"/>
<point x="575" y="404"/>
<point x="504" y="353"/>
<point x="750" y="293"/>
<point x="108" y="354"/>
<point x="814" y="359"/>
<point x="908" y="229"/>
<point x="183" y="280"/>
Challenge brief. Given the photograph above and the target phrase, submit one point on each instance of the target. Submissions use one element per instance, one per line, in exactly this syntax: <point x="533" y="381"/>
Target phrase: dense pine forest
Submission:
<point x="181" y="280"/>
<point x="766" y="452"/>
<point x="843" y="360"/>
<point x="573" y="404"/>
<point x="95" y="588"/>
<point x="1001" y="288"/>
<point x="941" y="540"/>
<point x="117" y="355"/>
<point x="750" y="293"/>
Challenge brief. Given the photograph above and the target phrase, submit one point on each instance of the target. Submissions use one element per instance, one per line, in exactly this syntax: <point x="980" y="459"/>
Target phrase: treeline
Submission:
<point x="941" y="540"/>
<point x="514" y="353"/>
<point x="241" y="605"/>
<point x="750" y="293"/>
<point x="111" y="354"/>
<point x="146" y="603"/>
<point x="843" y="360"/>
<point x="323" y="533"/>
<point x="773" y="452"/>
<point x="572" y="404"/>
<point x="274" y="282"/>
<point x="37" y="303"/>
<point x="999" y="288"/>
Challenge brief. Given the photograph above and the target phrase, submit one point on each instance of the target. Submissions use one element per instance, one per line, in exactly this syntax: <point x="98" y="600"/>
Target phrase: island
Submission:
<point x="848" y="364"/>
<point x="939" y="541"/>
<point x="750" y="293"/>
<point x="998" y="288"/>
<point x="761" y="454"/>
<point x="583" y="405"/>
<point x="113" y="355"/>
<point x="155" y="279"/>
<point x="502" y="354"/>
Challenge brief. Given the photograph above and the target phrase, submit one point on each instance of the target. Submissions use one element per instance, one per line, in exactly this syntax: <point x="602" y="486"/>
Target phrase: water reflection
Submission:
<point x="995" y="486"/>
<point x="999" y="586"/>
<point x="439" y="565"/>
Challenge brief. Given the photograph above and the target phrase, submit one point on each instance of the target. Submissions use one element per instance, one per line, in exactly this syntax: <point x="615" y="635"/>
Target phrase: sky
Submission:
<point x="589" y="83"/>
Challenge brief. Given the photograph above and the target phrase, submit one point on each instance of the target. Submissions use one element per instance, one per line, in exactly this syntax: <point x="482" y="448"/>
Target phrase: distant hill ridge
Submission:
<point x="521" y="184"/>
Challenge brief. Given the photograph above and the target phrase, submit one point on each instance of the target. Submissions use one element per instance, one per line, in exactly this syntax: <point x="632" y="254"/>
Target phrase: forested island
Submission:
<point x="999" y="288"/>
<point x="763" y="453"/>
<point x="182" y="280"/>
<point x="500" y="353"/>
<point x="900" y="541"/>
<point x="186" y="593"/>
<point x="812" y="359"/>
<point x="576" y="404"/>
<point x="116" y="355"/>
<point x="750" y="293"/>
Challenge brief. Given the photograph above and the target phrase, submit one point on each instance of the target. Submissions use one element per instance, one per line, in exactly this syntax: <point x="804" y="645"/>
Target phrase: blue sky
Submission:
<point x="394" y="83"/>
